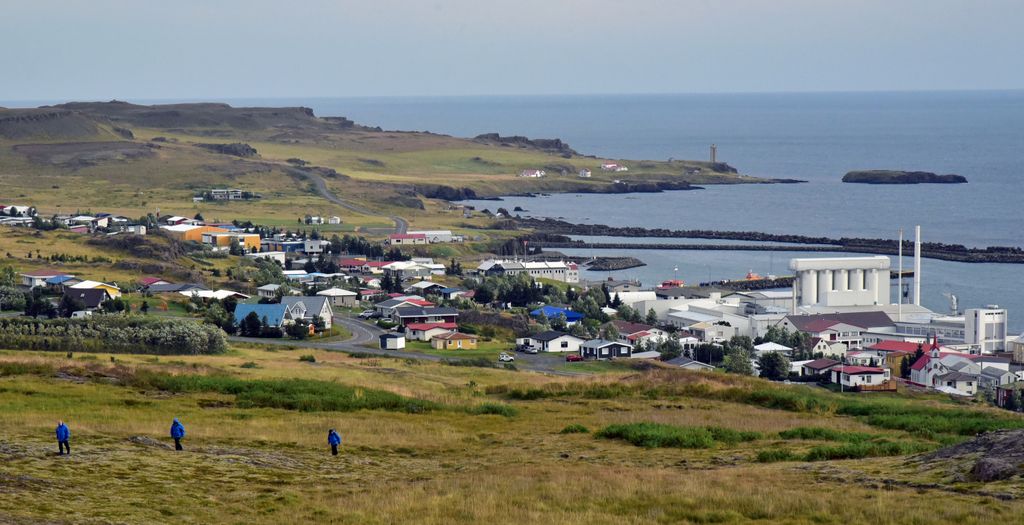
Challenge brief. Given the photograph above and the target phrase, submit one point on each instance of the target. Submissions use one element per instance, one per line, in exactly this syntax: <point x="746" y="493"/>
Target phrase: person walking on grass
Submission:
<point x="63" y="438"/>
<point x="333" y="439"/>
<point x="177" y="433"/>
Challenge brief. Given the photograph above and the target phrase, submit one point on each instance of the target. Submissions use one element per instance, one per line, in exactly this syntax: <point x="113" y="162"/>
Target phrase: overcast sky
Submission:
<point x="208" y="49"/>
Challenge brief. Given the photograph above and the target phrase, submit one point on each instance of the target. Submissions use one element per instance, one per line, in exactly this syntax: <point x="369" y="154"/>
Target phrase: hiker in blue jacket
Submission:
<point x="63" y="437"/>
<point x="333" y="439"/>
<point x="177" y="432"/>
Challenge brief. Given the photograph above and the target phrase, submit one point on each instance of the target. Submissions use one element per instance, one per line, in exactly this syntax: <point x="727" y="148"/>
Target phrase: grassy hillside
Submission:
<point x="131" y="160"/>
<point x="442" y="444"/>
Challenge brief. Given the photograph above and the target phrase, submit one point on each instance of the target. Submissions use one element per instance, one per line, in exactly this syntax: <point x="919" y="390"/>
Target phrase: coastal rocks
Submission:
<point x="610" y="264"/>
<point x="448" y="193"/>
<point x="237" y="149"/>
<point x="548" y="145"/>
<point x="901" y="177"/>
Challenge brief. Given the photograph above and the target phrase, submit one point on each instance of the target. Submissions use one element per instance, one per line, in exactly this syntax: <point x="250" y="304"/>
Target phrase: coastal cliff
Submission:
<point x="901" y="177"/>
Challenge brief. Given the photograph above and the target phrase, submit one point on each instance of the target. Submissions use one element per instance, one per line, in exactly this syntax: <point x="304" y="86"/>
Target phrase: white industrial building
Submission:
<point x="841" y="281"/>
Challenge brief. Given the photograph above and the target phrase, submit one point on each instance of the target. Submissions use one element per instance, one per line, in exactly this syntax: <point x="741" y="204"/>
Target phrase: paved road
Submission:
<point x="401" y="225"/>
<point x="364" y="333"/>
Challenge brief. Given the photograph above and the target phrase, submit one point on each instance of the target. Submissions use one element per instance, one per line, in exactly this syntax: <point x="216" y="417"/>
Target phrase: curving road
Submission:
<point x="401" y="225"/>
<point x="364" y="333"/>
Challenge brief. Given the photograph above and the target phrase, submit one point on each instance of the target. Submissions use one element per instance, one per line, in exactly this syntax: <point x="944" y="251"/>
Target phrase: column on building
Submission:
<point x="824" y="285"/>
<point x="808" y="287"/>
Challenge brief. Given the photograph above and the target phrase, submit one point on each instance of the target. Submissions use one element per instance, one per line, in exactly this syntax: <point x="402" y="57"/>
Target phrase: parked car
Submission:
<point x="572" y="358"/>
<point x="368" y="314"/>
<point x="530" y="350"/>
<point x="506" y="358"/>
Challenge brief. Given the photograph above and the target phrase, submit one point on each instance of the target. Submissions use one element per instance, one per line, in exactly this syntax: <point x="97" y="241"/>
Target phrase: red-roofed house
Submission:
<point x="150" y="281"/>
<point x="935" y="363"/>
<point x="857" y="376"/>
<point x="838" y="328"/>
<point x="351" y="265"/>
<point x="425" y="331"/>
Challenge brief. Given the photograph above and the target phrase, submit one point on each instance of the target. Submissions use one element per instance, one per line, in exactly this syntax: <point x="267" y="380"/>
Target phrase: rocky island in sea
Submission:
<point x="901" y="177"/>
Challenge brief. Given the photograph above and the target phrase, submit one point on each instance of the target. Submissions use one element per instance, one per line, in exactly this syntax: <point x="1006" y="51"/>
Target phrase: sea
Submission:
<point x="816" y="137"/>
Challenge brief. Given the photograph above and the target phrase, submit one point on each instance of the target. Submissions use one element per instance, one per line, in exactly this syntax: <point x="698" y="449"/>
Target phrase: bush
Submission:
<point x="824" y="434"/>
<point x="498" y="409"/>
<point x="113" y="334"/>
<point x="481" y="362"/>
<point x="774" y="455"/>
<point x="291" y="394"/>
<point x="865" y="450"/>
<point x="307" y="358"/>
<point x="249" y="364"/>
<point x="575" y="428"/>
<point x="656" y="435"/>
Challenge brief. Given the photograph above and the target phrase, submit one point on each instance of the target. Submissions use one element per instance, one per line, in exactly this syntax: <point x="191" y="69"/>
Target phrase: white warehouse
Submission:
<point x="841" y="281"/>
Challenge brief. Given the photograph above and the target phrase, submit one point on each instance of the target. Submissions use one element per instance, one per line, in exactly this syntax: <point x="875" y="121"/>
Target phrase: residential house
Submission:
<point x="613" y="166"/>
<point x="111" y="289"/>
<point x="218" y="295"/>
<point x="770" y="347"/>
<point x="818" y="367"/>
<point x="225" y="194"/>
<point x="388" y="307"/>
<point x="278" y="257"/>
<point x="174" y="288"/>
<point x="270" y="291"/>
<point x="555" y="270"/>
<point x="602" y="349"/>
<point x="36" y="278"/>
<point x="425" y="331"/>
<point x="638" y="333"/>
<point x="425" y="287"/>
<point x="341" y="297"/>
<point x="552" y="312"/>
<point x="551" y="341"/>
<point x="91" y="299"/>
<point x="584" y="173"/>
<point x="315" y="307"/>
<point x="403" y="270"/>
<point x="992" y="378"/>
<point x="960" y="383"/>
<point x="452" y="293"/>
<point x="453" y="341"/>
<point x="334" y="220"/>
<point x="690" y="364"/>
<point x="935" y="362"/>
<point x="414" y="314"/>
<point x="532" y="174"/>
<point x="273" y="315"/>
<point x="60" y="282"/>
<point x="855" y="376"/>
<point x="822" y="347"/>
<point x="249" y="242"/>
<point x="846" y="327"/>
<point x="146" y="282"/>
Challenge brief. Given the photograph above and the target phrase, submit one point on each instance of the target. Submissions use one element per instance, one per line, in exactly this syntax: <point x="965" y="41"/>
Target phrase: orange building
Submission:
<point x="187" y="232"/>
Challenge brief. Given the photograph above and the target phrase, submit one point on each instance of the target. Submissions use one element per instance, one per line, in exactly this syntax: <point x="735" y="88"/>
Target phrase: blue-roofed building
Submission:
<point x="276" y="315"/>
<point x="57" y="280"/>
<point x="552" y="312"/>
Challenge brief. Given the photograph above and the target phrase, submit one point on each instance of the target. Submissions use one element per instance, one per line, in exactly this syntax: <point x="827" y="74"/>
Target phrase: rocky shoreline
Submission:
<point x="930" y="250"/>
<point x="901" y="177"/>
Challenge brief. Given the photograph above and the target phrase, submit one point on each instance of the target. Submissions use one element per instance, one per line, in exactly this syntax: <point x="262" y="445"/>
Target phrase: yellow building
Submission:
<point x="111" y="289"/>
<point x="453" y="341"/>
<point x="249" y="241"/>
<point x="187" y="232"/>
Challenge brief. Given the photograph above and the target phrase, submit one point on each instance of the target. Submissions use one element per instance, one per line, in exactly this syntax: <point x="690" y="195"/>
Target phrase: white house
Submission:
<point x="268" y="291"/>
<point x="852" y="376"/>
<point x="316" y="307"/>
<point x="551" y="341"/>
<point x="340" y="296"/>
<point x="532" y="174"/>
<point x="613" y="166"/>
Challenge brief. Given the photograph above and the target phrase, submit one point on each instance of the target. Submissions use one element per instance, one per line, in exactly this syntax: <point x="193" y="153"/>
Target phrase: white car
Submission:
<point x="506" y="358"/>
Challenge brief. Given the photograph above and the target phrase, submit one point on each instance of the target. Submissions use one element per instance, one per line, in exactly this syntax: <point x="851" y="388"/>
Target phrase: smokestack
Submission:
<point x="917" y="265"/>
<point x="899" y="281"/>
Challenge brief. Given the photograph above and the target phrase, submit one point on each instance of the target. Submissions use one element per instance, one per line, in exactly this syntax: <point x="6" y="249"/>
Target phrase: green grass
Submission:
<point x="658" y="435"/>
<point x="498" y="409"/>
<point x="865" y="450"/>
<point x="825" y="434"/>
<point x="291" y="394"/>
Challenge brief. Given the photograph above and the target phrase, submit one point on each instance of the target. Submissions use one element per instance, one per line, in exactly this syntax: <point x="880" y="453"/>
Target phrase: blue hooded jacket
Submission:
<point x="333" y="438"/>
<point x="177" y="429"/>
<point x="63" y="434"/>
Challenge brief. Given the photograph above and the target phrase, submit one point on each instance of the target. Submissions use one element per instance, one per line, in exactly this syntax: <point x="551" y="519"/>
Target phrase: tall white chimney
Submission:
<point x="917" y="265"/>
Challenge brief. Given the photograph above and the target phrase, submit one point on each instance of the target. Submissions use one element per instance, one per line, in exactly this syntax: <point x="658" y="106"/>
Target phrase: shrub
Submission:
<point x="575" y="428"/>
<point x="774" y="455"/>
<point x="307" y="358"/>
<point x="824" y="434"/>
<point x="654" y="435"/>
<point x="481" y="362"/>
<point x="732" y="437"/>
<point x="498" y="409"/>
<point x="865" y="450"/>
<point x="291" y="394"/>
<point x="249" y="364"/>
<point x="113" y="334"/>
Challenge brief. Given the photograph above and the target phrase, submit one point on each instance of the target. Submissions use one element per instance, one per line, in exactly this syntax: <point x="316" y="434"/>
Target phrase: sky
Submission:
<point x="210" y="49"/>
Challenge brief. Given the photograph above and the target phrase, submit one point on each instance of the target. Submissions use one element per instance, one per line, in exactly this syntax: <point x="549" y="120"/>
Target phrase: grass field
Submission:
<point x="247" y="462"/>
